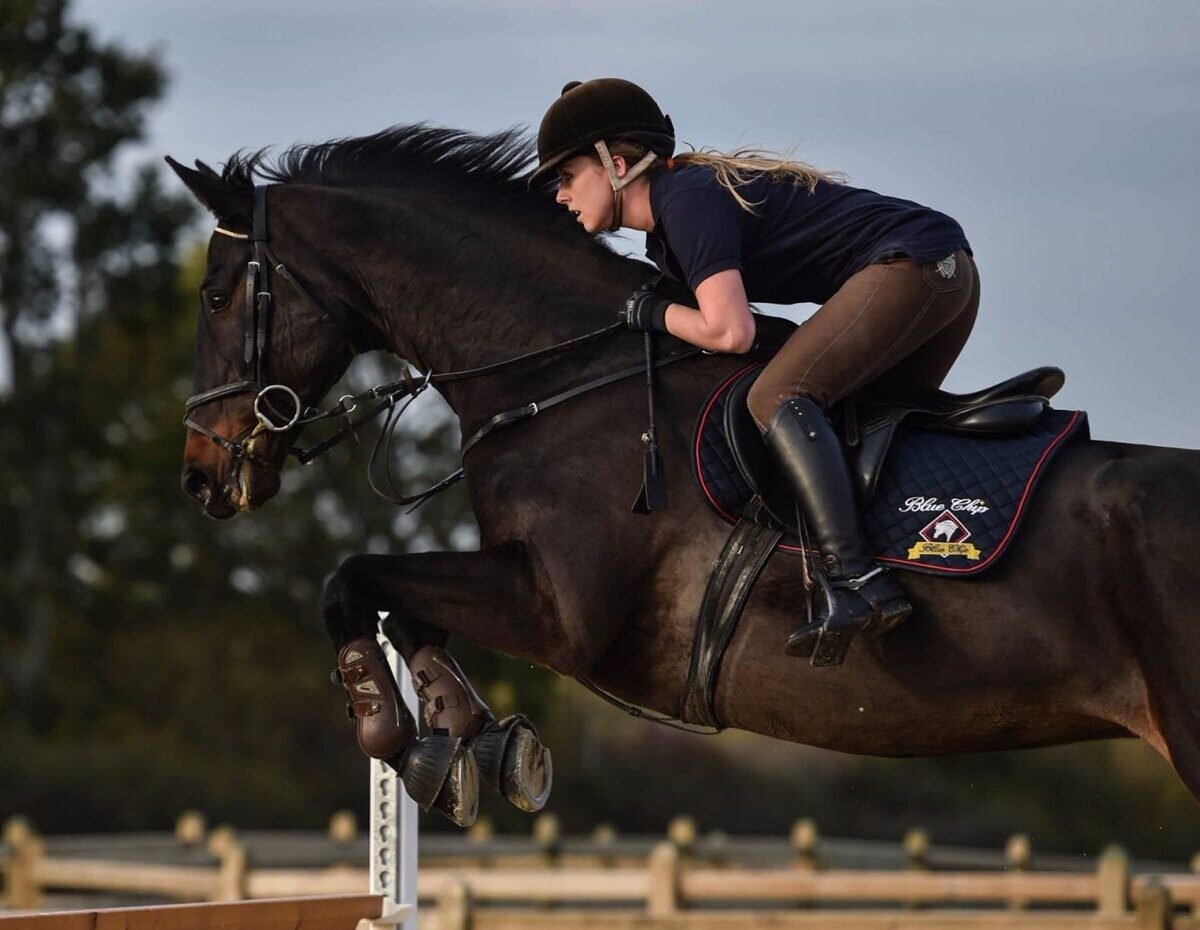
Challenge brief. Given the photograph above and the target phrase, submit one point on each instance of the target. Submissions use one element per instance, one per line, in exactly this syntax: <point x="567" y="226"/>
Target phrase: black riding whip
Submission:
<point x="653" y="495"/>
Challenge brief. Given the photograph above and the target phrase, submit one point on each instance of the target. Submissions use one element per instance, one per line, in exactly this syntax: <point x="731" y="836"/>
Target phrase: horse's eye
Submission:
<point x="218" y="301"/>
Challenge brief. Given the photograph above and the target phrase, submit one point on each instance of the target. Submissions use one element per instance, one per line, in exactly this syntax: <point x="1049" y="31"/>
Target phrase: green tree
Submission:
<point x="149" y="657"/>
<point x="67" y="106"/>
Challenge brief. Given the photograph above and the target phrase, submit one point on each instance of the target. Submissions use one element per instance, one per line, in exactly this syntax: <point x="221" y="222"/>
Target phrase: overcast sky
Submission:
<point x="1063" y="136"/>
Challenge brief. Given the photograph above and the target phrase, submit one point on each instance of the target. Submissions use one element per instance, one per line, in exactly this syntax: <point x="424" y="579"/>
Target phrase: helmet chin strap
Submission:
<point x="619" y="183"/>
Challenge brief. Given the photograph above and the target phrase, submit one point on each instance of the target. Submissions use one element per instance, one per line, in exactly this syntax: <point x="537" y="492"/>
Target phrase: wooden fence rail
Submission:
<point x="345" y="844"/>
<point x="673" y="886"/>
<point x="672" y="891"/>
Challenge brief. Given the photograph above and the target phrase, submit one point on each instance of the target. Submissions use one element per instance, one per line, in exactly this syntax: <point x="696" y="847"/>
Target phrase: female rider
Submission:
<point x="896" y="281"/>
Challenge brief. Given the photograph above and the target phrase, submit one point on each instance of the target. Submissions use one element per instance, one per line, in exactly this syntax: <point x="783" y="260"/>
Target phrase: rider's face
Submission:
<point x="584" y="189"/>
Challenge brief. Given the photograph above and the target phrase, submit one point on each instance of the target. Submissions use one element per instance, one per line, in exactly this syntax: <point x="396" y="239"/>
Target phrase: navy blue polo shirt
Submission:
<point x="797" y="246"/>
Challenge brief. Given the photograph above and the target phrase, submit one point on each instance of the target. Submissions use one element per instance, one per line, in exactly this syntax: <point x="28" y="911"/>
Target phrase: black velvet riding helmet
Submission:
<point x="588" y="112"/>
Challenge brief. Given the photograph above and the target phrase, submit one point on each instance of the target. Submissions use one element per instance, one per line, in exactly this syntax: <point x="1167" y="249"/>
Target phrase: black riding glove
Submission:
<point x="645" y="310"/>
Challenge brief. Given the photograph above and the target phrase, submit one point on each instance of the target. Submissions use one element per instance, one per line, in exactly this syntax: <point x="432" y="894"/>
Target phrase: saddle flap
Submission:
<point x="751" y="454"/>
<point x="745" y="441"/>
<point x="868" y="457"/>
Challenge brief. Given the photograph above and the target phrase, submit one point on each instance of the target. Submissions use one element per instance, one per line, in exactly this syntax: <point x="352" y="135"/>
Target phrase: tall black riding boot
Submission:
<point x="859" y="595"/>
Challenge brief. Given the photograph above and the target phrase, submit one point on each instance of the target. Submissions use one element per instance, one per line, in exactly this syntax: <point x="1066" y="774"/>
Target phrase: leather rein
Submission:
<point x="393" y="397"/>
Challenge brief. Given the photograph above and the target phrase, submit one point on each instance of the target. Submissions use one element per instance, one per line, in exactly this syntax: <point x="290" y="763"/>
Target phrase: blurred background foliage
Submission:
<point x="152" y="659"/>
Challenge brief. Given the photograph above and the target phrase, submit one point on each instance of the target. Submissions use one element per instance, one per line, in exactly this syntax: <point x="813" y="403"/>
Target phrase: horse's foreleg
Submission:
<point x="488" y="597"/>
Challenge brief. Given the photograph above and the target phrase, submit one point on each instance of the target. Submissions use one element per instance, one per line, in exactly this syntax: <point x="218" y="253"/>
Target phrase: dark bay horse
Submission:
<point x="429" y="246"/>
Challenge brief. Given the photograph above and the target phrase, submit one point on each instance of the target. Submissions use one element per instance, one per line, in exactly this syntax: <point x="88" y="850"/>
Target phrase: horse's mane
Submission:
<point x="492" y="169"/>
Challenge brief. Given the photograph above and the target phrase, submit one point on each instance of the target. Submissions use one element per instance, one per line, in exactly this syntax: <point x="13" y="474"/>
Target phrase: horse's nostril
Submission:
<point x="196" y="483"/>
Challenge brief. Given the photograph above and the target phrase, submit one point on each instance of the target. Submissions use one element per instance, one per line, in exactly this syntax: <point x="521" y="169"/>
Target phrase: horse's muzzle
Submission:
<point x="245" y="486"/>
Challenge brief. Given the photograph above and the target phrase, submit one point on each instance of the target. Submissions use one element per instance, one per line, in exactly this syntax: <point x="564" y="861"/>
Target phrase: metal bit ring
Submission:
<point x="262" y="417"/>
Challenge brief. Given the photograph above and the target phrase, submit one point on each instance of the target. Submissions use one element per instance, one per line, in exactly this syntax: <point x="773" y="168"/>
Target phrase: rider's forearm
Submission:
<point x="734" y="336"/>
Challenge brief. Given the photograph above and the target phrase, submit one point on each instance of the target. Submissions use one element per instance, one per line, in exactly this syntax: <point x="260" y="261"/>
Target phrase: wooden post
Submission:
<point x="454" y="907"/>
<point x="1196" y="869"/>
<point x="343" y="830"/>
<point x="343" y="827"/>
<point x="27" y="849"/>
<point x="190" y="828"/>
<point x="231" y="868"/>
<point x="481" y="831"/>
<point x="681" y="833"/>
<point x="916" y="850"/>
<point x="1112" y="879"/>
<point x="1154" y="908"/>
<point x="804" y="839"/>
<point x="916" y="854"/>
<point x="548" y="836"/>
<point x="662" y="899"/>
<point x="604" y="838"/>
<point x="1017" y="853"/>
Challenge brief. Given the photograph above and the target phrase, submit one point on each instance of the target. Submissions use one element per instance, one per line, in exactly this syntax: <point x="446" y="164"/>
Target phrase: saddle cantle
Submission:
<point x="975" y="456"/>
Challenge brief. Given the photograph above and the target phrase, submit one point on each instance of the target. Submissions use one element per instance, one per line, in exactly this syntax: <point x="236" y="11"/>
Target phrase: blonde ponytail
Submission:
<point x="738" y="168"/>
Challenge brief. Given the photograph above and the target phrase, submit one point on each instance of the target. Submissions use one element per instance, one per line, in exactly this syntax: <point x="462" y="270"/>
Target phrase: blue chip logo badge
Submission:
<point x="944" y="536"/>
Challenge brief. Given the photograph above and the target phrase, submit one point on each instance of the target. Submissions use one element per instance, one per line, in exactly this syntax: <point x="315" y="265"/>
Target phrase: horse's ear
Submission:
<point x="229" y="204"/>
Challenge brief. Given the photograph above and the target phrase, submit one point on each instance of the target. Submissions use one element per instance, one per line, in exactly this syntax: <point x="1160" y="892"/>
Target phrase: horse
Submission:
<point x="425" y="242"/>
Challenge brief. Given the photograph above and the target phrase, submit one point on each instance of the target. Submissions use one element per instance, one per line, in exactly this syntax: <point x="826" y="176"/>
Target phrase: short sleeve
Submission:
<point x="704" y="228"/>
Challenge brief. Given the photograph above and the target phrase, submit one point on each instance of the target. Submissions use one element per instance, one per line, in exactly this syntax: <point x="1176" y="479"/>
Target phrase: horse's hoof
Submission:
<point x="459" y="798"/>
<point x="424" y="766"/>
<point x="528" y="772"/>
<point x="514" y="761"/>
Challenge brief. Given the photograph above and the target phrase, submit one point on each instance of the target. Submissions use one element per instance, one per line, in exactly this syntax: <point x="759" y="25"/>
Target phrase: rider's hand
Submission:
<point x="645" y="310"/>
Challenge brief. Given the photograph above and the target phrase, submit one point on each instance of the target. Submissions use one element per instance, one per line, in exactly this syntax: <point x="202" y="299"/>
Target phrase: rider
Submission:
<point x="897" y="283"/>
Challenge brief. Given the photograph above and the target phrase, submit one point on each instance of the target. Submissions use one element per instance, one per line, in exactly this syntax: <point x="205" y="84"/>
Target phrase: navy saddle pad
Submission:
<point x="945" y="503"/>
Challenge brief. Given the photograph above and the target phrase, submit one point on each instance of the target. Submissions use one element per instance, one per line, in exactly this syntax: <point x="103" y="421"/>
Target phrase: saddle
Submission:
<point x="943" y="482"/>
<point x="869" y="426"/>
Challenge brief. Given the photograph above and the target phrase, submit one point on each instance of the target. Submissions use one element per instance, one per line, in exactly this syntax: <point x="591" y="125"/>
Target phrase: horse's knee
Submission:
<point x="339" y="588"/>
<point x="341" y="604"/>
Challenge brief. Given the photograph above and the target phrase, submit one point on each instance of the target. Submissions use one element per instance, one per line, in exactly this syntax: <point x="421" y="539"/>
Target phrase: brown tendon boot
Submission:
<point x="383" y="724"/>
<point x="438" y="771"/>
<point x="450" y="704"/>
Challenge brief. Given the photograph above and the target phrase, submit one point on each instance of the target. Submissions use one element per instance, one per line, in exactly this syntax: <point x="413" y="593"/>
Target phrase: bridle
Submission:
<point x="257" y="312"/>
<point x="257" y="320"/>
